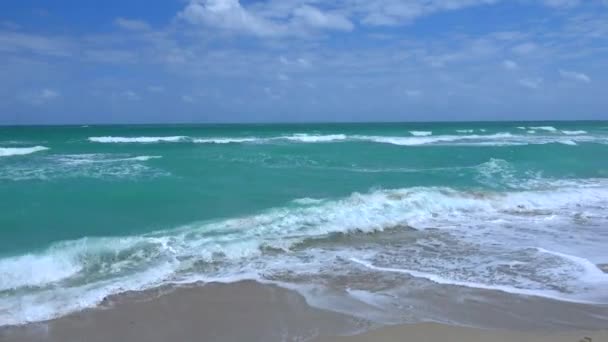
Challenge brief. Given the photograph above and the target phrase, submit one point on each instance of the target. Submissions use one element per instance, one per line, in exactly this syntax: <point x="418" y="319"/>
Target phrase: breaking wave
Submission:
<point x="483" y="227"/>
<point x="19" y="151"/>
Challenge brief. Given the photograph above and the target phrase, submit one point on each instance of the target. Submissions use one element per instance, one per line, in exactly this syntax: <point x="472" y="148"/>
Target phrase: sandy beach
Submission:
<point x="248" y="311"/>
<point x="429" y="332"/>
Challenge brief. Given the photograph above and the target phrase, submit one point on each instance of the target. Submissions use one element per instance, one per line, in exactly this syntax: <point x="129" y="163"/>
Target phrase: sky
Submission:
<point x="181" y="61"/>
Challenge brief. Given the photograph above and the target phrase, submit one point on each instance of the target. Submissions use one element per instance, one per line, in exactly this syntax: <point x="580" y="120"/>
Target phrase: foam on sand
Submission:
<point x="503" y="288"/>
<point x="19" y="151"/>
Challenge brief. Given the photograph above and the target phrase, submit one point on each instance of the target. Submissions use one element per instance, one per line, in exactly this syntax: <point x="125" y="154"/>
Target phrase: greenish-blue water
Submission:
<point x="91" y="211"/>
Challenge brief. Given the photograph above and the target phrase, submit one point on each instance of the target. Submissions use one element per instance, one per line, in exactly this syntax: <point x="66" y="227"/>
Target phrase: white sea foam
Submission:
<point x="465" y="131"/>
<point x="568" y="142"/>
<point x="18" y="151"/>
<point x="307" y="201"/>
<point x="439" y="139"/>
<point x="77" y="159"/>
<point x="545" y="128"/>
<point x="226" y="140"/>
<point x="93" y="165"/>
<point x="76" y="274"/>
<point x="421" y="133"/>
<point x="306" y="138"/>
<point x="503" y="288"/>
<point x="125" y="140"/>
<point x="574" y="132"/>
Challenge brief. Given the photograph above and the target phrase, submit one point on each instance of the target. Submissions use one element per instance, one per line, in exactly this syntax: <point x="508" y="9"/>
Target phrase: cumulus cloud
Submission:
<point x="228" y="15"/>
<point x="313" y="17"/>
<point x="268" y="19"/>
<point x="574" y="76"/>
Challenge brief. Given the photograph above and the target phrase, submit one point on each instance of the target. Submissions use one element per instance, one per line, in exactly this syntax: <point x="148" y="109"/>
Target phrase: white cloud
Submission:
<point x="228" y="15"/>
<point x="132" y="24"/>
<point x="525" y="48"/>
<point x="22" y="42"/>
<point x="562" y="3"/>
<point x="40" y="97"/>
<point x="531" y="82"/>
<point x="399" y="12"/>
<point x="509" y="64"/>
<point x="574" y="76"/>
<point x="313" y="17"/>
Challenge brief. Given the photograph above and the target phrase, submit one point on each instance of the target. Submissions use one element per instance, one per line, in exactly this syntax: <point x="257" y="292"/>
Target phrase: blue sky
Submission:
<point x="85" y="61"/>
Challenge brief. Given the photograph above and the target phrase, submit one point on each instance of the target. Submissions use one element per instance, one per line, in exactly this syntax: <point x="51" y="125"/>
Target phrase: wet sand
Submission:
<point x="245" y="311"/>
<point x="430" y="332"/>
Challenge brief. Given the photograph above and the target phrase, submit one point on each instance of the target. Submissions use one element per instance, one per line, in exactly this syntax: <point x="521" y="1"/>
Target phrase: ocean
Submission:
<point x="344" y="213"/>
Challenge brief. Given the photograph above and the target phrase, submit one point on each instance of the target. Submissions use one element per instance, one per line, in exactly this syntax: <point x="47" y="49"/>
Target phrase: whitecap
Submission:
<point x="580" y="132"/>
<point x="421" y="133"/>
<point x="306" y="138"/>
<point x="545" y="128"/>
<point x="80" y="273"/>
<point x="19" y="151"/>
<point x="147" y="140"/>
<point x="226" y="140"/>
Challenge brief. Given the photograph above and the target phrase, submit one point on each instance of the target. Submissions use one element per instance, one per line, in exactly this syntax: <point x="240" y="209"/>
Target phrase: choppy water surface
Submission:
<point x="359" y="211"/>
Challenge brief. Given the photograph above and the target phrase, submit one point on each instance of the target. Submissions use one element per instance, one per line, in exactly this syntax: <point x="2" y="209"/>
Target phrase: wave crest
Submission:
<point x="19" y="151"/>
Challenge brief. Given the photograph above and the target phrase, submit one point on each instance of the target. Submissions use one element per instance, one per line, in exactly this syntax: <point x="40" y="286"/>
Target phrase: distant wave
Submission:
<point x="124" y="140"/>
<point x="545" y="128"/>
<point x="574" y="132"/>
<point x="421" y="133"/>
<point x="18" y="151"/>
<point x="100" y="158"/>
<point x="225" y="140"/>
<point x="306" y="138"/>
<point x="418" y="138"/>
<point x="415" y="141"/>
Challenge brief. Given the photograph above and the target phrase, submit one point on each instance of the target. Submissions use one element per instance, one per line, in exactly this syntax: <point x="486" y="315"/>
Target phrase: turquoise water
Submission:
<point x="91" y="211"/>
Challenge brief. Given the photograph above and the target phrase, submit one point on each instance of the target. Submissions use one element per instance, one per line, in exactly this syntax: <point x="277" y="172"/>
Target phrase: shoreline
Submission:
<point x="249" y="311"/>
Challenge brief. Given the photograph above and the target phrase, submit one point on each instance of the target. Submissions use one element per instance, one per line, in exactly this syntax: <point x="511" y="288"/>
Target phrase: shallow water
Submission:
<point x="519" y="208"/>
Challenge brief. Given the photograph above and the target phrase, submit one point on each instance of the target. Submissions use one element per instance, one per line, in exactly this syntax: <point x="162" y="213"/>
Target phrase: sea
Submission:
<point x="365" y="218"/>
